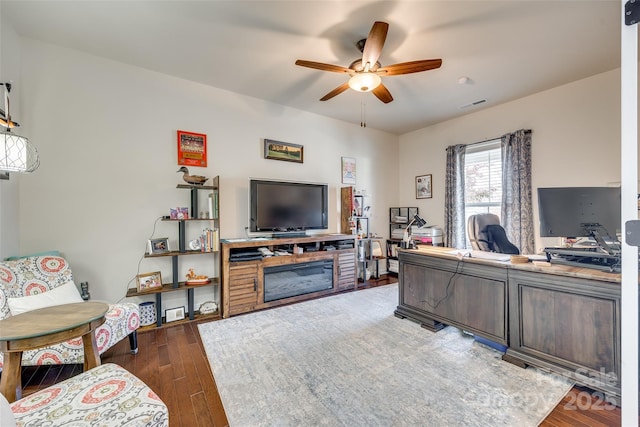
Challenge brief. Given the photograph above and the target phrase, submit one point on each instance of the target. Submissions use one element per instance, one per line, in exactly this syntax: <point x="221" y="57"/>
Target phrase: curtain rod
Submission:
<point x="490" y="139"/>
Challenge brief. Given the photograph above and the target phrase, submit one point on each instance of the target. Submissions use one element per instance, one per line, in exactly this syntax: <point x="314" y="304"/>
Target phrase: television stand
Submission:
<point x="300" y="269"/>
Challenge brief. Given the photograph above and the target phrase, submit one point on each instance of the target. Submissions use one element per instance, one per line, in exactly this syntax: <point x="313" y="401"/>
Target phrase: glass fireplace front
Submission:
<point x="290" y="280"/>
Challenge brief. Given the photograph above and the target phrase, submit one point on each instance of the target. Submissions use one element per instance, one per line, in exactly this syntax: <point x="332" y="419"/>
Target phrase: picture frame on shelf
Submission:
<point x="358" y="205"/>
<point x="277" y="150"/>
<point x="423" y="187"/>
<point x="158" y="246"/>
<point x="348" y="170"/>
<point x="174" y="314"/>
<point x="192" y="149"/>
<point x="179" y="213"/>
<point x="148" y="281"/>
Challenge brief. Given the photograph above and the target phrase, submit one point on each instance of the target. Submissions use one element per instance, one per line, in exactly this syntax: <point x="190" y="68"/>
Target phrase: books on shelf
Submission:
<point x="213" y="205"/>
<point x="210" y="240"/>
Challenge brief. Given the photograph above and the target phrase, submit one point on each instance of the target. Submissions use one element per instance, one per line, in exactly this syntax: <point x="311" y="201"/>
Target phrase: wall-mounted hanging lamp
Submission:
<point x="17" y="154"/>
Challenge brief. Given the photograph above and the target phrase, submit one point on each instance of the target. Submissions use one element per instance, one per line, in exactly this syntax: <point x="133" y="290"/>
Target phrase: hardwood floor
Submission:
<point x="580" y="407"/>
<point x="173" y="363"/>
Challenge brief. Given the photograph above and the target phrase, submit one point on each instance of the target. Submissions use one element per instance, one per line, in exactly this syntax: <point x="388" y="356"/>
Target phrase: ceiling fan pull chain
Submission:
<point x="363" y="115"/>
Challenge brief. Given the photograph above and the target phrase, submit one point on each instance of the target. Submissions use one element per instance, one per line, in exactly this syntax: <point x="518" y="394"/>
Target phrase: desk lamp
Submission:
<point x="406" y="238"/>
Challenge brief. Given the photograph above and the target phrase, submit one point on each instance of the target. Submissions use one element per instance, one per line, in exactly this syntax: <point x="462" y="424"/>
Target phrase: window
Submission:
<point x="483" y="179"/>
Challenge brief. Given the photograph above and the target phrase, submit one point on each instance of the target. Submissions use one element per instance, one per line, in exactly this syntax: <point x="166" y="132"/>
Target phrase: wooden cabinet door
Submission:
<point x="567" y="324"/>
<point x="243" y="287"/>
<point x="345" y="275"/>
<point x="468" y="301"/>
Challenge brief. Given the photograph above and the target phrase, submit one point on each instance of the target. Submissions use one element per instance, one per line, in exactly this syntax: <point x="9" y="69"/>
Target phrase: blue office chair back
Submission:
<point x="498" y="241"/>
<point x="486" y="234"/>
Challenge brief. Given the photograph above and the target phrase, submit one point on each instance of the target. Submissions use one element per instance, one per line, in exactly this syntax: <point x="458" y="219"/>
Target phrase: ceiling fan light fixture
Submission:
<point x="364" y="82"/>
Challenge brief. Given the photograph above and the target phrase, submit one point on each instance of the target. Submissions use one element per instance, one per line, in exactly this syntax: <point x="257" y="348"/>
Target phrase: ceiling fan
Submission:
<point x="366" y="72"/>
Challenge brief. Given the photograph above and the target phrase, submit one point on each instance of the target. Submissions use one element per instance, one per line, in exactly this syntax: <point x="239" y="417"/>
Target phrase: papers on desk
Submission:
<point x="493" y="256"/>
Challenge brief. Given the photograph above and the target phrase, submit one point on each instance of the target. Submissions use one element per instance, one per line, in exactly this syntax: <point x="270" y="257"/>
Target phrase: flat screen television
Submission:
<point x="574" y="211"/>
<point x="280" y="207"/>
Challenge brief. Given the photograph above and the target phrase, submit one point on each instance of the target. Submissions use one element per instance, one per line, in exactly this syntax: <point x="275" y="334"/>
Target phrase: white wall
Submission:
<point x="106" y="133"/>
<point x="9" y="71"/>
<point x="575" y="141"/>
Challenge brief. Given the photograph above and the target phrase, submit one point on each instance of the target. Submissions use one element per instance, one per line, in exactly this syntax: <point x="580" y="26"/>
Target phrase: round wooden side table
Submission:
<point x="44" y="327"/>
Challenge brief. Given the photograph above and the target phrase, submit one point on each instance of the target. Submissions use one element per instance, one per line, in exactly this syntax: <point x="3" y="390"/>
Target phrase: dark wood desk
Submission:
<point x="44" y="327"/>
<point x="559" y="318"/>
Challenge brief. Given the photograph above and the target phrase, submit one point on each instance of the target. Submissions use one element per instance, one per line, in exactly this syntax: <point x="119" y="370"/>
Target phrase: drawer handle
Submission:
<point x="255" y="284"/>
<point x="339" y="271"/>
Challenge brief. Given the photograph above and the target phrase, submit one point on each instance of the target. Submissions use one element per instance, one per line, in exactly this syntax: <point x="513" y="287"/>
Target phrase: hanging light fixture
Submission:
<point x="17" y="154"/>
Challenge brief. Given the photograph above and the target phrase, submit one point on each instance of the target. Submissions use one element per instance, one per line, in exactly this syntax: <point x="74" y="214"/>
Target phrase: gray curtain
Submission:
<point x="517" y="211"/>
<point x="454" y="226"/>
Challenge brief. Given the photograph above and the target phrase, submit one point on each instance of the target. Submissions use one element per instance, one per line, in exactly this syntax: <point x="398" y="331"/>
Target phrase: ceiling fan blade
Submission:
<point x="383" y="94"/>
<point x="409" y="67"/>
<point x="336" y="91"/>
<point x="375" y="42"/>
<point x="322" y="66"/>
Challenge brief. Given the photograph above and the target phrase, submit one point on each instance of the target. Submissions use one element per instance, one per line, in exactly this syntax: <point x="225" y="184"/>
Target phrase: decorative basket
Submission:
<point x="147" y="313"/>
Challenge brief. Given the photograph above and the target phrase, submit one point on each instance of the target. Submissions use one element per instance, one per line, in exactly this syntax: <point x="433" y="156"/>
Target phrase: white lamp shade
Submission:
<point x="364" y="82"/>
<point x="17" y="154"/>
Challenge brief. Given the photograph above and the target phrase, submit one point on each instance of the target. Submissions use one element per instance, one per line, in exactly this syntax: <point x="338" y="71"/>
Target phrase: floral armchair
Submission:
<point x="38" y="274"/>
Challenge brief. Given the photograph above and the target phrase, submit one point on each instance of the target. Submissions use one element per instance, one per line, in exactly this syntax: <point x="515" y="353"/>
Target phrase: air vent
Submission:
<point x="473" y="104"/>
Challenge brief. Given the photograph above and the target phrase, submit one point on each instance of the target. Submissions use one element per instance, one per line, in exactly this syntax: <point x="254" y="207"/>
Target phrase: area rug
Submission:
<point x="346" y="360"/>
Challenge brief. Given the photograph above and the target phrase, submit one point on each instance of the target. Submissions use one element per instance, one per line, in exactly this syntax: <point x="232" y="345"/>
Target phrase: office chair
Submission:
<point x="486" y="234"/>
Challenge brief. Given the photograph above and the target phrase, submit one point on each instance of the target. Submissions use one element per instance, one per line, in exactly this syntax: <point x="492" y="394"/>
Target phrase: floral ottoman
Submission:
<point x="107" y="395"/>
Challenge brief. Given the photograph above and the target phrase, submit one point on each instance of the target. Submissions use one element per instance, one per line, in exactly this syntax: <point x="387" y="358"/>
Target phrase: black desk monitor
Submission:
<point x="580" y="212"/>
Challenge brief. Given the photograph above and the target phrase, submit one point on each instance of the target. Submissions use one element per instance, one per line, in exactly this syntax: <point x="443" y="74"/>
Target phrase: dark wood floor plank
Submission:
<point x="167" y="393"/>
<point x="190" y="370"/>
<point x="191" y="332"/>
<point x="201" y="410"/>
<point x="161" y="336"/>
<point x="209" y="387"/>
<point x="187" y="413"/>
<point x="163" y="355"/>
<point x="173" y="338"/>
<point x="151" y="364"/>
<point x="583" y="407"/>
<point x="553" y="420"/>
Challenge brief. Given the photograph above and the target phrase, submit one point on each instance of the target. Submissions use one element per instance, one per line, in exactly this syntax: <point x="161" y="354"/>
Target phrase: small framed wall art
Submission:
<point x="276" y="150"/>
<point x="158" y="246"/>
<point x="348" y="170"/>
<point x="423" y="186"/>
<point x="148" y="281"/>
<point x="173" y="314"/>
<point x="192" y="149"/>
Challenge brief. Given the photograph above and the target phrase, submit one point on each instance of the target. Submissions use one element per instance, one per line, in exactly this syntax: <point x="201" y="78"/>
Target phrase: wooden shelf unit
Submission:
<point x="394" y="243"/>
<point x="176" y="284"/>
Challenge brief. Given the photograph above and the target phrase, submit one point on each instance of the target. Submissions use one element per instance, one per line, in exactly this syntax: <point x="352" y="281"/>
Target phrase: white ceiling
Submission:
<point x="509" y="49"/>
